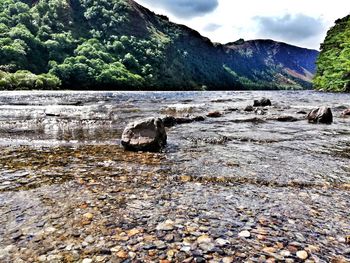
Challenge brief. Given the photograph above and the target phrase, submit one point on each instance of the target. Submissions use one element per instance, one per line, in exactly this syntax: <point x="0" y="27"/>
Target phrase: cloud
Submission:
<point x="186" y="8"/>
<point x="297" y="27"/>
<point x="211" y="27"/>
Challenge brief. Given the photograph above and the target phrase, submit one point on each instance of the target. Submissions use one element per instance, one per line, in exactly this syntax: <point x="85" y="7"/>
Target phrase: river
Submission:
<point x="240" y="188"/>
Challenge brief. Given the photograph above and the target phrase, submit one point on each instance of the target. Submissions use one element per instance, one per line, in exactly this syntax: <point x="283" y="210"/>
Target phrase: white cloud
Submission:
<point x="185" y="8"/>
<point x="237" y="19"/>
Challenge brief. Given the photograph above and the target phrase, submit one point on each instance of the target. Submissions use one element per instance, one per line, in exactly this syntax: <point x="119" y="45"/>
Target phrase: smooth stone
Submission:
<point x="302" y="254"/>
<point x="166" y="226"/>
<point x="144" y="135"/>
<point x="245" y="234"/>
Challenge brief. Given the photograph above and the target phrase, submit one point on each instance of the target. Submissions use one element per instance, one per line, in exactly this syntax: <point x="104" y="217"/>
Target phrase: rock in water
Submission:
<point x="262" y="103"/>
<point x="346" y="112"/>
<point x="249" y="108"/>
<point x="320" y="115"/>
<point x="170" y="121"/>
<point x="144" y="135"/>
<point x="214" y="114"/>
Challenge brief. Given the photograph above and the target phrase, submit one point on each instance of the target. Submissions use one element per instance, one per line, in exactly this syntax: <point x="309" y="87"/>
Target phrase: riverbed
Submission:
<point x="244" y="187"/>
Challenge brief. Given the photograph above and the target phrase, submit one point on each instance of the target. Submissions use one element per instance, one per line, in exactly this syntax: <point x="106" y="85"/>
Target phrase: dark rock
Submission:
<point x="302" y="112"/>
<point x="320" y="115"/>
<point x="286" y="119"/>
<point x="52" y="115"/>
<point x="262" y="103"/>
<point x="198" y="118"/>
<point x="149" y="246"/>
<point x="346" y="112"/>
<point x="144" y="135"/>
<point x="183" y="120"/>
<point x="170" y="121"/>
<point x="214" y="114"/>
<point x="199" y="259"/>
<point x="253" y="120"/>
<point x="231" y="109"/>
<point x="249" y="108"/>
<point x="221" y="100"/>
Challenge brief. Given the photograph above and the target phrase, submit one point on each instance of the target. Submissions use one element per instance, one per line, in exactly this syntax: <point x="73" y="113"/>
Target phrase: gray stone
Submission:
<point x="144" y="135"/>
<point x="262" y="102"/>
<point x="320" y="115"/>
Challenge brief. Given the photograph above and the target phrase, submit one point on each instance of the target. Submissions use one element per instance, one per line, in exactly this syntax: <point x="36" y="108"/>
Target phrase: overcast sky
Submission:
<point x="299" y="22"/>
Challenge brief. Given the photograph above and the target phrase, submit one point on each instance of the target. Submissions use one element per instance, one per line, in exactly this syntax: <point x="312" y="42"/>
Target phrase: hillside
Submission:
<point x="333" y="65"/>
<point x="118" y="44"/>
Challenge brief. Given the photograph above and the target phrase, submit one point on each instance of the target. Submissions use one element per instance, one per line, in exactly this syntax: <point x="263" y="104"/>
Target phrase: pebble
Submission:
<point x="88" y="216"/>
<point x="87" y="260"/>
<point x="302" y="254"/>
<point x="227" y="260"/>
<point x="42" y="258"/>
<point x="185" y="249"/>
<point x="245" y="234"/>
<point x="122" y="254"/>
<point x="100" y="258"/>
<point x="222" y="242"/>
<point x="168" y="225"/>
<point x="204" y="239"/>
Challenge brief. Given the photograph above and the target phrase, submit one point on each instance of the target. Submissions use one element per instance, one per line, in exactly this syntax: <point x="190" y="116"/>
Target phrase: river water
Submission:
<point x="244" y="187"/>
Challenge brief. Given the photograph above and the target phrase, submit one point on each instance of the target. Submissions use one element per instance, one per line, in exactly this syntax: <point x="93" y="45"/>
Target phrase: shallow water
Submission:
<point x="287" y="183"/>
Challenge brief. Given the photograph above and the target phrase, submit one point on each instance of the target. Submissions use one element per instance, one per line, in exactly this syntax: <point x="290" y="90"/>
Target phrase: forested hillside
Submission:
<point x="333" y="65"/>
<point x="118" y="44"/>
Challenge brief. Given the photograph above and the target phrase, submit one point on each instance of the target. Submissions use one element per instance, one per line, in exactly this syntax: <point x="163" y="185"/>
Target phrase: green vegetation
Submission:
<point x="24" y="79"/>
<point x="333" y="65"/>
<point x="117" y="44"/>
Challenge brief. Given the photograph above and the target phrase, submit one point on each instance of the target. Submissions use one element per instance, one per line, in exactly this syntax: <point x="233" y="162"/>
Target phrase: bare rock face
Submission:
<point x="144" y="135"/>
<point x="320" y="115"/>
<point x="262" y="103"/>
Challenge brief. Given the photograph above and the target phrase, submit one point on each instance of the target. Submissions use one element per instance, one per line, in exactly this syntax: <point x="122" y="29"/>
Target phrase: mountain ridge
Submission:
<point x="94" y="44"/>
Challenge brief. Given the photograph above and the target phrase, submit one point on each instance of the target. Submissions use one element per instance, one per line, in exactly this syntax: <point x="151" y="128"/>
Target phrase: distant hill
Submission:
<point x="333" y="65"/>
<point x="119" y="44"/>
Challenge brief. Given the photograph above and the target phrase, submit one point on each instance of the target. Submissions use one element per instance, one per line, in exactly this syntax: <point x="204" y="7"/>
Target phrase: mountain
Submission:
<point x="287" y="64"/>
<point x="119" y="44"/>
<point x="333" y="65"/>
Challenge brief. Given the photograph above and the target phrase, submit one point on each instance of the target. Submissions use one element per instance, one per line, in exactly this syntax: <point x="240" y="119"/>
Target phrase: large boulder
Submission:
<point x="320" y="115"/>
<point x="144" y="135"/>
<point x="262" y="103"/>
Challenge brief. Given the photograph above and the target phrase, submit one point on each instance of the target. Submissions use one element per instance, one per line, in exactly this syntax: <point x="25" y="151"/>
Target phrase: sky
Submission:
<point x="299" y="22"/>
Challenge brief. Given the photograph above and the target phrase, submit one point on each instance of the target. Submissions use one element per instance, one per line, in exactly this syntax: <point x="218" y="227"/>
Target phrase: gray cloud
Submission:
<point x="297" y="27"/>
<point x="212" y="27"/>
<point x="186" y="8"/>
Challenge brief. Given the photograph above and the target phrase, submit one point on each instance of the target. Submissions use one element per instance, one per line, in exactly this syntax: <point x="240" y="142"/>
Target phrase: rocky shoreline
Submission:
<point x="230" y="185"/>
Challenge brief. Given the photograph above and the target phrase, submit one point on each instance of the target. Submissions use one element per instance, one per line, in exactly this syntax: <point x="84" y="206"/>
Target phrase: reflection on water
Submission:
<point x="60" y="159"/>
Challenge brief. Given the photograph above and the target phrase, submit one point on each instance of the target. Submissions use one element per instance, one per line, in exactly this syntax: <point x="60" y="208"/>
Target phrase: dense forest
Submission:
<point x="118" y="44"/>
<point x="333" y="65"/>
